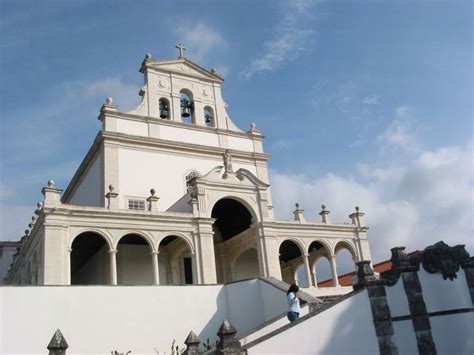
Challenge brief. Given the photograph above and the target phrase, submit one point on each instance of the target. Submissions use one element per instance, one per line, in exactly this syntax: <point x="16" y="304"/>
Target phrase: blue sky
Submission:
<point x="363" y="103"/>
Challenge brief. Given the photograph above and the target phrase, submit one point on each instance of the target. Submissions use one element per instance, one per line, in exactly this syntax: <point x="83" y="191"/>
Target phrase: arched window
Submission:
<point x="193" y="174"/>
<point x="164" y="108"/>
<point x="187" y="106"/>
<point x="209" y="120"/>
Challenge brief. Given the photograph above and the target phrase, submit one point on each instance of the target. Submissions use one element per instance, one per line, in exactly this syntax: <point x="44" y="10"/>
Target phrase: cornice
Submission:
<point x="309" y="227"/>
<point x="188" y="126"/>
<point x="190" y="148"/>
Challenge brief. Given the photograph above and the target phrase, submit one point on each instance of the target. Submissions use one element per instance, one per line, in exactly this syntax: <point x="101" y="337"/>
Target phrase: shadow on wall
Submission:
<point x="212" y="326"/>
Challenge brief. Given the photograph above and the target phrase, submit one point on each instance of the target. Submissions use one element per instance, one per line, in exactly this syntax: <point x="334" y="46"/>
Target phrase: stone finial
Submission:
<point x="58" y="344"/>
<point x="27" y="232"/>
<point x="192" y="344"/>
<point x="253" y="126"/>
<point x="357" y="218"/>
<point x="52" y="195"/>
<point x="148" y="56"/>
<point x="153" y="201"/>
<point x="39" y="205"/>
<point x="109" y="101"/>
<point x="33" y="220"/>
<point x="228" y="343"/>
<point x="365" y="274"/>
<point x="324" y="214"/>
<point x="298" y="213"/>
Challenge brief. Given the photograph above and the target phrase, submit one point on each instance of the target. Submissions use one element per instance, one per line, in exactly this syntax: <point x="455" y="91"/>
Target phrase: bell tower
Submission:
<point x="180" y="130"/>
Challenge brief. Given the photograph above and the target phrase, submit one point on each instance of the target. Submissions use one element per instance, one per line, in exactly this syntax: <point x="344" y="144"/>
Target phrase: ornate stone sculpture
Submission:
<point x="228" y="162"/>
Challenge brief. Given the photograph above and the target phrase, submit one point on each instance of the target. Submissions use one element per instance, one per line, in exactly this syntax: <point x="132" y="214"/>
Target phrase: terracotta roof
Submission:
<point x="346" y="279"/>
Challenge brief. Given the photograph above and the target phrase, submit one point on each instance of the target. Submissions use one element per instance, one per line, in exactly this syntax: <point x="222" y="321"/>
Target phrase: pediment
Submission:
<point x="185" y="67"/>
<point x="241" y="177"/>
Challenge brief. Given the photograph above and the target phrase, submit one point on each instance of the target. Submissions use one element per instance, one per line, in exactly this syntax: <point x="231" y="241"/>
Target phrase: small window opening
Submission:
<point x="187" y="107"/>
<point x="138" y="205"/>
<point x="164" y="108"/>
<point x="208" y="117"/>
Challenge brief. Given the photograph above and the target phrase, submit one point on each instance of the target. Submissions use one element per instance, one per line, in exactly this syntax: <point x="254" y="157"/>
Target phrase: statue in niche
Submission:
<point x="228" y="162"/>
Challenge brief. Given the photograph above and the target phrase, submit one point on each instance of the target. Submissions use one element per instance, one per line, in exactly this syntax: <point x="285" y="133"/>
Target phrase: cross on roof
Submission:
<point x="181" y="50"/>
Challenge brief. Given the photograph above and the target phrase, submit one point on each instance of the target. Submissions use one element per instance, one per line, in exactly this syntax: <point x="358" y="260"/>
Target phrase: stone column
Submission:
<point x="315" y="278"/>
<point x="307" y="270"/>
<point x="113" y="266"/>
<point x="196" y="279"/>
<point x="206" y="250"/>
<point x="156" y="270"/>
<point x="68" y="267"/>
<point x="335" y="280"/>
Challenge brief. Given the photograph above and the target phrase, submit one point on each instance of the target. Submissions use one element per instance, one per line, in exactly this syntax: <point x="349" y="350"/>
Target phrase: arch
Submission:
<point x="316" y="245"/>
<point x="143" y="235"/>
<point x="108" y="238"/>
<point x="89" y="259"/>
<point x="252" y="208"/>
<point x="232" y="217"/>
<point x="181" y="235"/>
<point x="290" y="250"/>
<point x="321" y="268"/>
<point x="344" y="244"/>
<point x="134" y="260"/>
<point x="164" y="108"/>
<point x="209" y="118"/>
<point x="175" y="256"/>
<point x="245" y="265"/>
<point x="187" y="106"/>
<point x="345" y="260"/>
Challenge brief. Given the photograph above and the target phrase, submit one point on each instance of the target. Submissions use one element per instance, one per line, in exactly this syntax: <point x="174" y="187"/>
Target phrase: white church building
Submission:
<point x="167" y="227"/>
<point x="175" y="193"/>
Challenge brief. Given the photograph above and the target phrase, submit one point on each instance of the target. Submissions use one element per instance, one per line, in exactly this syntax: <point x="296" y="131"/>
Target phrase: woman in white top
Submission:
<point x="293" y="303"/>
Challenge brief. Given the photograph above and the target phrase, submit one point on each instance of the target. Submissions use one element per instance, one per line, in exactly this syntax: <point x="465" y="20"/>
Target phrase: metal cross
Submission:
<point x="181" y="50"/>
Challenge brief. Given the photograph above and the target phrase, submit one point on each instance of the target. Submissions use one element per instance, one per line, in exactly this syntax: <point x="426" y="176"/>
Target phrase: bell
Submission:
<point x="186" y="111"/>
<point x="164" y="113"/>
<point x="208" y="119"/>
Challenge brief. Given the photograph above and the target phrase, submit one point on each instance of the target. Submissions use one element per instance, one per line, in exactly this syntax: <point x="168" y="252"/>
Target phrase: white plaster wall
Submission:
<point x="404" y="337"/>
<point x="99" y="319"/>
<point x="181" y="134"/>
<point x="140" y="171"/>
<point x="440" y="294"/>
<point x="345" y="328"/>
<point x="240" y="144"/>
<point x="453" y="334"/>
<point x="134" y="265"/>
<point x="245" y="304"/>
<point x="88" y="192"/>
<point x="132" y="127"/>
<point x="246" y="265"/>
<point x="397" y="299"/>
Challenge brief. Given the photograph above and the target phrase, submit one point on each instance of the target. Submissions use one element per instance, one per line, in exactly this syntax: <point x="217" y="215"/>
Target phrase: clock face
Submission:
<point x="163" y="83"/>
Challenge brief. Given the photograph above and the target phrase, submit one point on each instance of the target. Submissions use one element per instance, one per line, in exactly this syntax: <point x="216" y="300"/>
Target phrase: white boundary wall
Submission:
<point x="99" y="319"/>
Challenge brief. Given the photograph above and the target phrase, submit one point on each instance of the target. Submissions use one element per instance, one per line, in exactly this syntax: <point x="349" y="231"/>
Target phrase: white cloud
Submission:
<point x="292" y="36"/>
<point x="200" y="40"/>
<point x="401" y="133"/>
<point x="414" y="205"/>
<point x="371" y="100"/>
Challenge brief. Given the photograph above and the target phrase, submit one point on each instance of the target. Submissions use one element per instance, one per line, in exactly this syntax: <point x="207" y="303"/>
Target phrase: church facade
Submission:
<point x="174" y="192"/>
